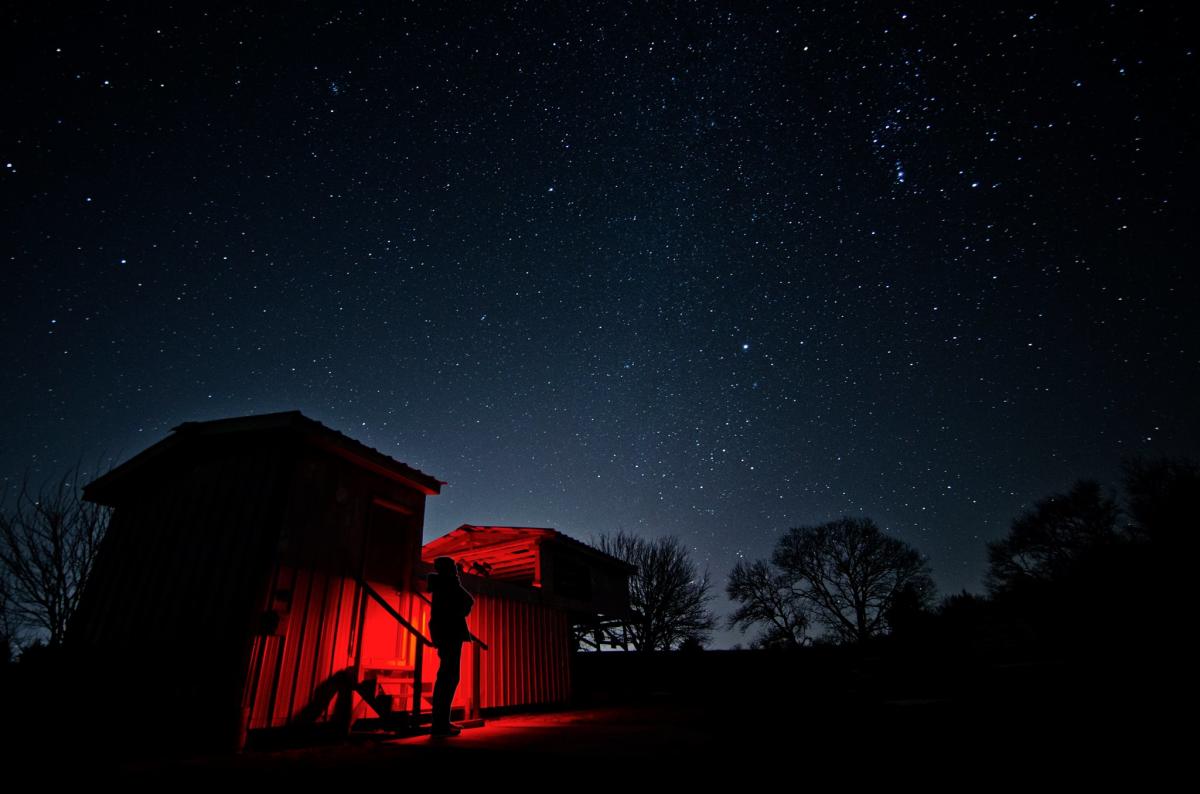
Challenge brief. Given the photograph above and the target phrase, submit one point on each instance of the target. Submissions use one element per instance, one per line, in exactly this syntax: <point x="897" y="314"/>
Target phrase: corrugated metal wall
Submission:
<point x="170" y="604"/>
<point x="296" y="672"/>
<point x="295" y="675"/>
<point x="528" y="656"/>
<point x="180" y="561"/>
<point x="527" y="661"/>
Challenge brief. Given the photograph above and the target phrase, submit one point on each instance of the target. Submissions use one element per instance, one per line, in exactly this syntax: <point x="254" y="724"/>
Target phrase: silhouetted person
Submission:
<point x="448" y="630"/>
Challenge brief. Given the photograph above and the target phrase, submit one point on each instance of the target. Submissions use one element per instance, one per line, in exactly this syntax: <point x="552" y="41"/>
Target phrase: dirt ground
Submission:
<point x="671" y="740"/>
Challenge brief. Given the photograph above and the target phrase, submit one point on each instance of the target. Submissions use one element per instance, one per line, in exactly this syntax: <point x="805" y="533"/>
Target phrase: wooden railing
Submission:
<point x="421" y="641"/>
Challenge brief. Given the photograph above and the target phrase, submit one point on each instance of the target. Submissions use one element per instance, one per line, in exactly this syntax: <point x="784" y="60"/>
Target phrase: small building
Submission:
<point x="263" y="576"/>
<point x="589" y="587"/>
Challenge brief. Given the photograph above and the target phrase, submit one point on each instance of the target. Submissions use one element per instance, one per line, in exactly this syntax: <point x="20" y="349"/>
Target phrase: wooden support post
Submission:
<point x="348" y="678"/>
<point x="474" y="704"/>
<point x="418" y="672"/>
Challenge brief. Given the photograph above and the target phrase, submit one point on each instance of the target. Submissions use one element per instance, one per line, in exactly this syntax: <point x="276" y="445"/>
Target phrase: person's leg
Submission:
<point x="449" y="662"/>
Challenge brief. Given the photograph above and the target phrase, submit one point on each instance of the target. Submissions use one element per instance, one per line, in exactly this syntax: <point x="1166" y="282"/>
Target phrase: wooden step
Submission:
<point x="401" y="722"/>
<point x="392" y="694"/>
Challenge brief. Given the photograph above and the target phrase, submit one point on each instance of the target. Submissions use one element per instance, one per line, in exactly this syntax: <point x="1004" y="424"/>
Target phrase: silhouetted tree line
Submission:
<point x="1084" y="572"/>
<point x="1085" y="597"/>
<point x="1085" y="575"/>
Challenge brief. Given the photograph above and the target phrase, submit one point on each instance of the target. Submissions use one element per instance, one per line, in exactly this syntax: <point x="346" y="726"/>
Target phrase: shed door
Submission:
<point x="393" y="544"/>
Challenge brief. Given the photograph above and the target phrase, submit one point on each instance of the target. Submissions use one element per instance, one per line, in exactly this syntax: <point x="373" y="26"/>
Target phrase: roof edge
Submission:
<point x="545" y="534"/>
<point x="309" y="430"/>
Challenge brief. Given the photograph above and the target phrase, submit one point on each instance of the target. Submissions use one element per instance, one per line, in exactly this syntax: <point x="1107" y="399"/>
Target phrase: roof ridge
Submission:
<point x="311" y="429"/>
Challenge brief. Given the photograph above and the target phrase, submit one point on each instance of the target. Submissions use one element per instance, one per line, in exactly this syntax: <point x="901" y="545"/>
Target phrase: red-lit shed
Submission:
<point x="537" y="589"/>
<point x="263" y="575"/>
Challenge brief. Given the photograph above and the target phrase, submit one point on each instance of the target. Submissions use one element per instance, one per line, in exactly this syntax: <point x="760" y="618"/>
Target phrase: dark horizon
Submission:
<point x="687" y="272"/>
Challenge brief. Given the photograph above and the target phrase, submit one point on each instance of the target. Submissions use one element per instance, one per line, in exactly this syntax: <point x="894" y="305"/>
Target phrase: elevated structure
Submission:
<point x="591" y="587"/>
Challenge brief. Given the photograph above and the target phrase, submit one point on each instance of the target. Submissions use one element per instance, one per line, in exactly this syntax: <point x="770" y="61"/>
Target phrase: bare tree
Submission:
<point x="845" y="575"/>
<point x="766" y="597"/>
<point x="668" y="596"/>
<point x="1045" y="542"/>
<point x="8" y="634"/>
<point x="48" y="544"/>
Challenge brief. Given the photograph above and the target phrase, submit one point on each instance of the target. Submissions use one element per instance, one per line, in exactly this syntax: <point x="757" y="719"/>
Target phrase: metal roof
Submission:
<point x="518" y="545"/>
<point x="286" y="422"/>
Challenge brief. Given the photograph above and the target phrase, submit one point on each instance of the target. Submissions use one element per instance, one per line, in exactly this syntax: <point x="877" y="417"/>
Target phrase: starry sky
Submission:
<point x="680" y="269"/>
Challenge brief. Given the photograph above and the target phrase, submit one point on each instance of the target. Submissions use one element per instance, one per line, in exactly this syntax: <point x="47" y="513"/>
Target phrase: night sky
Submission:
<point x="678" y="269"/>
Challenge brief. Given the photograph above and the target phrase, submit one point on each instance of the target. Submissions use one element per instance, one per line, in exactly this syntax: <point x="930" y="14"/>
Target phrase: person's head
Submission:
<point x="445" y="565"/>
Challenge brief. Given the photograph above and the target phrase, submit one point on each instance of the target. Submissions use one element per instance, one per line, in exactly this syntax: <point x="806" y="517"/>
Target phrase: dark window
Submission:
<point x="572" y="579"/>
<point x="393" y="547"/>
